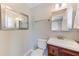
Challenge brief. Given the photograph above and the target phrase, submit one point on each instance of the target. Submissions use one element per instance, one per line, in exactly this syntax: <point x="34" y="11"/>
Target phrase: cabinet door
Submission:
<point x="65" y="52"/>
<point x="52" y="50"/>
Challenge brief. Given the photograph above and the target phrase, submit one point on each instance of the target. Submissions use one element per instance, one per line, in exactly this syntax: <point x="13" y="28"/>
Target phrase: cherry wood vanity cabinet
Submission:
<point x="59" y="51"/>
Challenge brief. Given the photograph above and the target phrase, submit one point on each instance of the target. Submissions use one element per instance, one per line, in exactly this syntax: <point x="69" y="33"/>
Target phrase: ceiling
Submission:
<point x="22" y="5"/>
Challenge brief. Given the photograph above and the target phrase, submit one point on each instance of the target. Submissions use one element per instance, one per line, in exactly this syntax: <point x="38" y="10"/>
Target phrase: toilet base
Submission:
<point x="37" y="52"/>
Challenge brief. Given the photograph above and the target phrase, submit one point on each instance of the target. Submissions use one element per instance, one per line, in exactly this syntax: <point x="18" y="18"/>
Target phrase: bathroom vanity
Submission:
<point x="62" y="48"/>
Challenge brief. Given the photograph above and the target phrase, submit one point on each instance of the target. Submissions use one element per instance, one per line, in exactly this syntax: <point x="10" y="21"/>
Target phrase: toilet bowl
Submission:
<point x="42" y="43"/>
<point x="37" y="52"/>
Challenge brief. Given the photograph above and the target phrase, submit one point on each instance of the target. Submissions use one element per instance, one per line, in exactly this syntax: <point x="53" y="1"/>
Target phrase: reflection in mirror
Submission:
<point x="57" y="23"/>
<point x="9" y="19"/>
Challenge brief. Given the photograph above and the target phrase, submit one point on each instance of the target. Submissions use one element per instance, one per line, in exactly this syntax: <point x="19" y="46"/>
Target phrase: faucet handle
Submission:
<point x="60" y="37"/>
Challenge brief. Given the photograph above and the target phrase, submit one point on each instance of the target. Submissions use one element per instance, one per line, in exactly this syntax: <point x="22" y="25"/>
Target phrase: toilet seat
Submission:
<point x="37" y="52"/>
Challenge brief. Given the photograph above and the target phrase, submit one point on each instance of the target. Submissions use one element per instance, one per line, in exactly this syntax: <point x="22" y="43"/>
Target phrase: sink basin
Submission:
<point x="66" y="43"/>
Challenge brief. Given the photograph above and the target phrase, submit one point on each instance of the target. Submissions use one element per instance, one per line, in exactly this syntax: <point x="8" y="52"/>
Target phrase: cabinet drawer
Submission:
<point x="58" y="51"/>
<point x="66" y="52"/>
<point x="52" y="50"/>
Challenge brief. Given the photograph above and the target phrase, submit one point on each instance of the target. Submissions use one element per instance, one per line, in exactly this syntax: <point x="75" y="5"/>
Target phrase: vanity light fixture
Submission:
<point x="60" y="5"/>
<point x="56" y="6"/>
<point x="18" y="19"/>
<point x="64" y="5"/>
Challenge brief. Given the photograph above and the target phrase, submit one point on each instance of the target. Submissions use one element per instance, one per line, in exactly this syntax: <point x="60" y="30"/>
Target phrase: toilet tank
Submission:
<point x="42" y="43"/>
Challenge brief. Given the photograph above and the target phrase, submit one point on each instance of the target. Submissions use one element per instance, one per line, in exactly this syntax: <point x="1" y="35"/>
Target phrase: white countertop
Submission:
<point x="69" y="44"/>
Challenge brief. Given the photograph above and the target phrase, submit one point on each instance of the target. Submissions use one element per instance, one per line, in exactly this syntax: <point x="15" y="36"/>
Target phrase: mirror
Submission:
<point x="10" y="19"/>
<point x="61" y="20"/>
<point x="57" y="23"/>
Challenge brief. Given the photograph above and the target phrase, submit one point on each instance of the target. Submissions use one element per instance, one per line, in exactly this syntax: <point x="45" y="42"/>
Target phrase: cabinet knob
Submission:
<point x="52" y="51"/>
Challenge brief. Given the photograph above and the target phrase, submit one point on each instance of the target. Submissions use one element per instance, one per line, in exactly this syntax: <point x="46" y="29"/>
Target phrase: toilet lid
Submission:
<point x="37" y="52"/>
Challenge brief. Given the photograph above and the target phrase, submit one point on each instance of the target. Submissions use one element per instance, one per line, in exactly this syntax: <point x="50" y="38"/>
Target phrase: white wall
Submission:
<point x="4" y="42"/>
<point x="42" y="11"/>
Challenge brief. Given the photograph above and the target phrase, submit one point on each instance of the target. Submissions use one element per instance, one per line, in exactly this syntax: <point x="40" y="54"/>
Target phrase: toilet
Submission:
<point x="41" y="46"/>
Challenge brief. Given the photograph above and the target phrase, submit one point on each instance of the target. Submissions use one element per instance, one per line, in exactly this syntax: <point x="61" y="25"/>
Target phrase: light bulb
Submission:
<point x="56" y="6"/>
<point x="18" y="19"/>
<point x="64" y="5"/>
